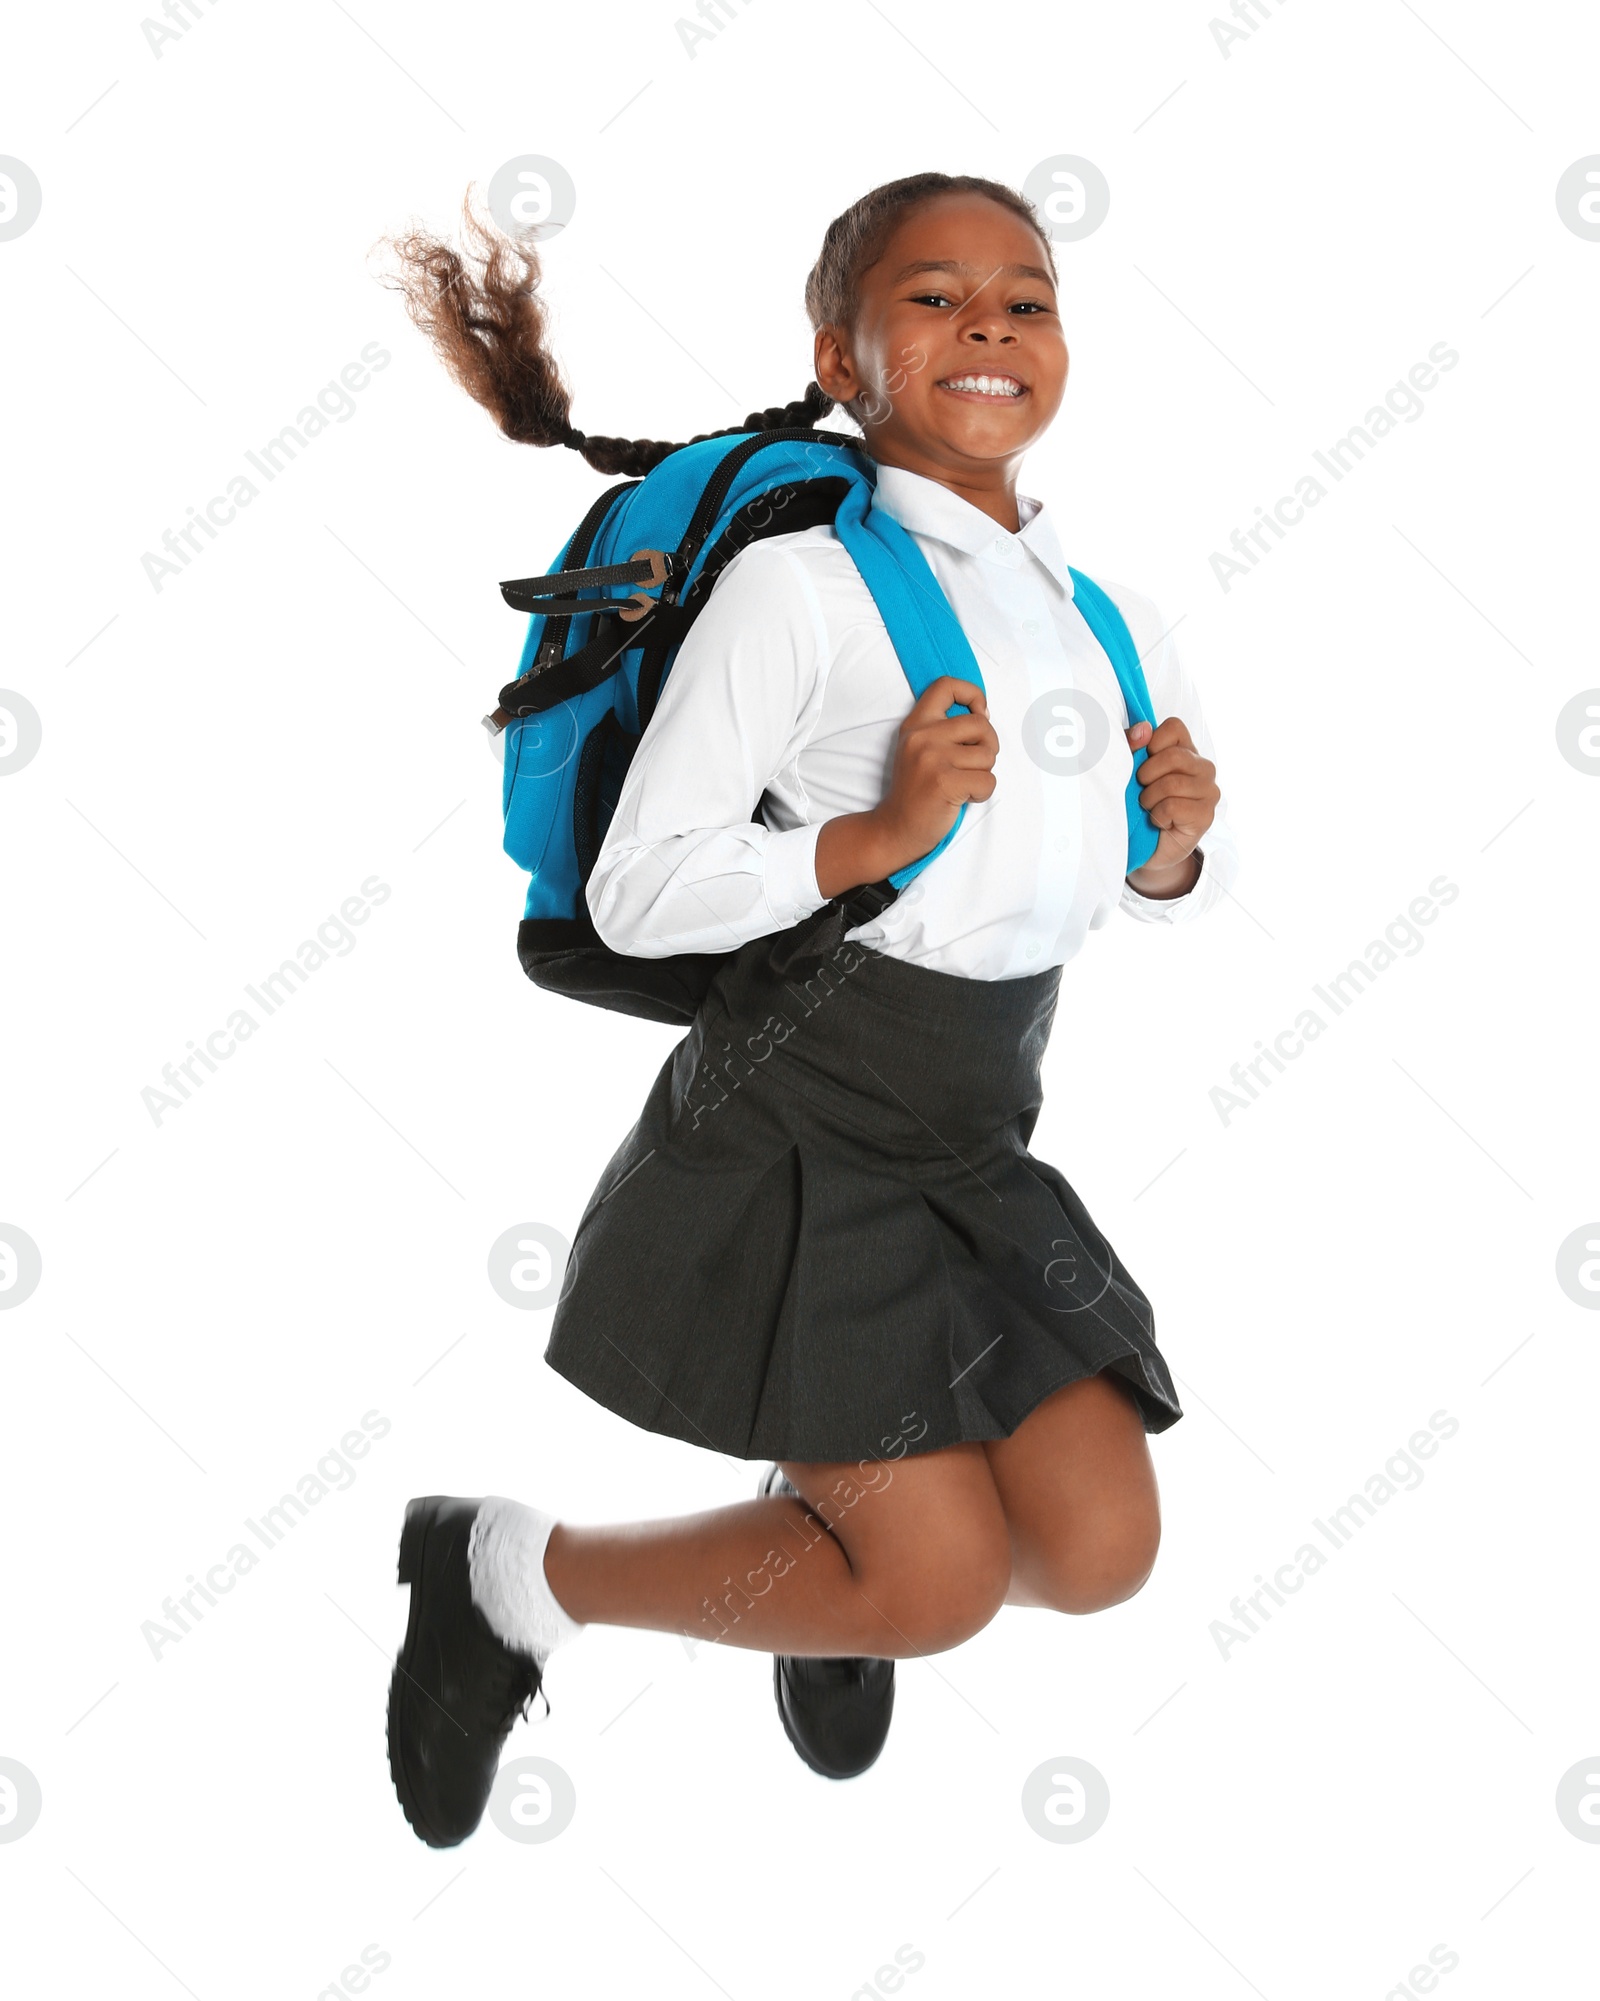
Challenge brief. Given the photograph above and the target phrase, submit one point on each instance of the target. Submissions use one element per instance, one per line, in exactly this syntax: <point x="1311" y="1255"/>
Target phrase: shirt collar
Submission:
<point x="924" y="507"/>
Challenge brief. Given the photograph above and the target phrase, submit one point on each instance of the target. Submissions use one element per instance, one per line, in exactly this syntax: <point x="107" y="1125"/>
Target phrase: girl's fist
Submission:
<point x="940" y="762"/>
<point x="1178" y="789"/>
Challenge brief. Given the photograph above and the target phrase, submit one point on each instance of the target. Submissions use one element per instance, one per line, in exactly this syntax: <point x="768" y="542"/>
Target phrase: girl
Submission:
<point x="825" y="1240"/>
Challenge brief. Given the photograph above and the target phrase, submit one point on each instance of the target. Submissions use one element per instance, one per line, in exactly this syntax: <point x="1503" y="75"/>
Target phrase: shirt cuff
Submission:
<point x="789" y="873"/>
<point x="1201" y="894"/>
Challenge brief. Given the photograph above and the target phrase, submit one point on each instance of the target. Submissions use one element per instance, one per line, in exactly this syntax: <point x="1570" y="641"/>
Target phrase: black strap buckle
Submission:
<point x="648" y="568"/>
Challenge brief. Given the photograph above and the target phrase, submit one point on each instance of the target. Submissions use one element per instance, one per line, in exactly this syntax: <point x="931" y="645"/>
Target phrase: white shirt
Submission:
<point x="788" y="693"/>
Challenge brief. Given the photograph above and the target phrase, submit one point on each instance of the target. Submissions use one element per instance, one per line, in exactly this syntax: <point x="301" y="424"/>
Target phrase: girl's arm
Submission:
<point x="684" y="867"/>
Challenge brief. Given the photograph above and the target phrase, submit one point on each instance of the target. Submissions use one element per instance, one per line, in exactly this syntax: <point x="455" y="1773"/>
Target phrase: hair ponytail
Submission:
<point x="631" y="457"/>
<point x="491" y="332"/>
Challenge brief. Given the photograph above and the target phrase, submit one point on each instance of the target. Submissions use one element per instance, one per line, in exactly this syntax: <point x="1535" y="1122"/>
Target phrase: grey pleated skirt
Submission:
<point x="825" y="1237"/>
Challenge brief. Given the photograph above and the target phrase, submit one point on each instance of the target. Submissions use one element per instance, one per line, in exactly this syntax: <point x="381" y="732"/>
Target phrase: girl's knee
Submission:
<point x="929" y="1554"/>
<point x="948" y="1612"/>
<point x="1103" y="1565"/>
<point x="938" y="1603"/>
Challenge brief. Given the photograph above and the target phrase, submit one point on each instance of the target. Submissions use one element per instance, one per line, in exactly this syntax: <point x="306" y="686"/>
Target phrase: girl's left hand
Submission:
<point x="1179" y="791"/>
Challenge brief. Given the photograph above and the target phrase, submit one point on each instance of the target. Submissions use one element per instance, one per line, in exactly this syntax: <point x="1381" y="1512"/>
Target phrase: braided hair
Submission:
<point x="490" y="327"/>
<point x="630" y="457"/>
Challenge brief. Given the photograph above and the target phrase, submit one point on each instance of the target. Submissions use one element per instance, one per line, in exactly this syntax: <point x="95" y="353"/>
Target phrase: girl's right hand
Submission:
<point x="940" y="762"/>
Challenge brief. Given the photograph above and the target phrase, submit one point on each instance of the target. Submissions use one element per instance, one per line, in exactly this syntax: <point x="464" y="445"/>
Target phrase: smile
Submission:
<point x="1001" y="388"/>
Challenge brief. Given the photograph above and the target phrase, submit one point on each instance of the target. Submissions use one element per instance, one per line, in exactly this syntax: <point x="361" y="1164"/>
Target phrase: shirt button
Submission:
<point x="1031" y="627"/>
<point x="913" y="895"/>
<point x="1064" y="843"/>
<point x="1033" y="950"/>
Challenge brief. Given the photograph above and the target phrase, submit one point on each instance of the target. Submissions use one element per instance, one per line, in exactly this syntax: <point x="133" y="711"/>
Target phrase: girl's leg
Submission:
<point x="893" y="1558"/>
<point x="885" y="1559"/>
<point x="1078" y="1489"/>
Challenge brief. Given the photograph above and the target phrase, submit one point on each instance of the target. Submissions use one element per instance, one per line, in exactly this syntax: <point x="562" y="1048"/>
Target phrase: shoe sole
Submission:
<point x="413" y="1542"/>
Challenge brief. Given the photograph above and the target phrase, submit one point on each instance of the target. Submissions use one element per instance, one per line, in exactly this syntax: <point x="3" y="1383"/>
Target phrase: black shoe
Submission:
<point x="835" y="1711"/>
<point x="456" y="1688"/>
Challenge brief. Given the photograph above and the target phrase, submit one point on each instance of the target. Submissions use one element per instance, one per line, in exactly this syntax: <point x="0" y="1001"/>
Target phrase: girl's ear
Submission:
<point x="832" y="366"/>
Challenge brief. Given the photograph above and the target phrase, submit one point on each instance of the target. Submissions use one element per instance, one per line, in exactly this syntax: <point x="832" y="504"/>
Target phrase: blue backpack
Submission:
<point x="593" y="665"/>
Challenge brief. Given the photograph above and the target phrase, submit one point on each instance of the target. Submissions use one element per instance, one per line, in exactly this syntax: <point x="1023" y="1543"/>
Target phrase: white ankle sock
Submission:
<point x="505" y="1562"/>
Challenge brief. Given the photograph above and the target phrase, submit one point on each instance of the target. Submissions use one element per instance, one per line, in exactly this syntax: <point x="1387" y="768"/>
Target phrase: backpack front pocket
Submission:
<point x="541" y="755"/>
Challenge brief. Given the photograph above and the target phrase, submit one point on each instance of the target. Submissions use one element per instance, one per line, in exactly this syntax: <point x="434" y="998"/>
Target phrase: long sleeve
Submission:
<point x="684" y="867"/>
<point x="1173" y="693"/>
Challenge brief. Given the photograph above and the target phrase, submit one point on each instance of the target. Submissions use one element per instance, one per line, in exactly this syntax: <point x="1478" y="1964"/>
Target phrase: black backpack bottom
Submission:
<point x="568" y="956"/>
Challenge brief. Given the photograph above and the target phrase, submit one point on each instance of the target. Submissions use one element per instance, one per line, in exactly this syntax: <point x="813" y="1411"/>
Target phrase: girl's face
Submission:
<point x="961" y="292"/>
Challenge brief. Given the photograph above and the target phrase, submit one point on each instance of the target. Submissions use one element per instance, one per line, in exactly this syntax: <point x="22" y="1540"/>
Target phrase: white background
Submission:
<point x="1292" y="227"/>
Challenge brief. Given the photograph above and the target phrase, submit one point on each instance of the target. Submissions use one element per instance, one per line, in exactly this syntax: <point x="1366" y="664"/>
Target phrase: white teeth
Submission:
<point x="986" y="385"/>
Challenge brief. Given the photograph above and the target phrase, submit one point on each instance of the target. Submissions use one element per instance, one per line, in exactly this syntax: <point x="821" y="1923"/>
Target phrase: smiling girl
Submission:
<point x="844" y="1258"/>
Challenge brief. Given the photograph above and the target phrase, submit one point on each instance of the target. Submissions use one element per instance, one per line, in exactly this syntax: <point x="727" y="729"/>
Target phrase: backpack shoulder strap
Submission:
<point x="1110" y="628"/>
<point x="1107" y="624"/>
<point x="925" y="632"/>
